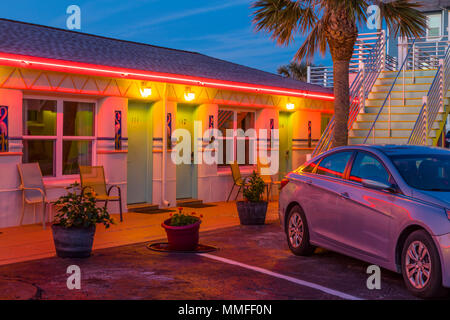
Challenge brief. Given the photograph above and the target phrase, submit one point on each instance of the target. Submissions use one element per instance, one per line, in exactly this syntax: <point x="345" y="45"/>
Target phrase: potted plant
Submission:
<point x="75" y="223"/>
<point x="252" y="211"/>
<point x="182" y="230"/>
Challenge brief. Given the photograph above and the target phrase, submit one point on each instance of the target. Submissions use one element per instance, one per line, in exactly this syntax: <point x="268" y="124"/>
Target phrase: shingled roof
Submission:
<point x="47" y="42"/>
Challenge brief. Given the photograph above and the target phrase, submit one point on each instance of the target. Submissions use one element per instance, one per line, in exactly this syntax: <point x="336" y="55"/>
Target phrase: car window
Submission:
<point x="367" y="167"/>
<point x="310" y="168"/>
<point x="424" y="172"/>
<point x="334" y="165"/>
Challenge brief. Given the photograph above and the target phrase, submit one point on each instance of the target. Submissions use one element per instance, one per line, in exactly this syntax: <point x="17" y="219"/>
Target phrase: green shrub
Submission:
<point x="183" y="219"/>
<point x="254" y="190"/>
<point x="80" y="211"/>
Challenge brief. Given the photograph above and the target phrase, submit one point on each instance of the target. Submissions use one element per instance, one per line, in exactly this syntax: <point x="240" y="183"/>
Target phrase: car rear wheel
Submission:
<point x="297" y="232"/>
<point x="421" y="266"/>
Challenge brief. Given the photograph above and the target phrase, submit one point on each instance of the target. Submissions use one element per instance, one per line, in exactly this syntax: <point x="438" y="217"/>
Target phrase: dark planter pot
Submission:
<point x="73" y="242"/>
<point x="183" y="238"/>
<point x="252" y="213"/>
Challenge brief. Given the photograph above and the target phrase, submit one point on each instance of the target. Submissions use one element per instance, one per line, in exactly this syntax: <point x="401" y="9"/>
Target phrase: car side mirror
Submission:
<point x="376" y="185"/>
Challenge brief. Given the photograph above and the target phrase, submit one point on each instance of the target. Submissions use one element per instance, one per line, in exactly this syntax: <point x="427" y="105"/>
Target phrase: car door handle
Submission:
<point x="308" y="182"/>
<point x="345" y="195"/>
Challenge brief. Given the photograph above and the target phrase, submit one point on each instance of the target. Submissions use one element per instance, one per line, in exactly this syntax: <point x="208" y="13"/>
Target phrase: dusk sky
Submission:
<point x="218" y="28"/>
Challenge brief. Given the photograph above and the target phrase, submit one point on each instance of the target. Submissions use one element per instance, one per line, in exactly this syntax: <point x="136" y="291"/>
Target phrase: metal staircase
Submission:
<point x="404" y="103"/>
<point x="433" y="114"/>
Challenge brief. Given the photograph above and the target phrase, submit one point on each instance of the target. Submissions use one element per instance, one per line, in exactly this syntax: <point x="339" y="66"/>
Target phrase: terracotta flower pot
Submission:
<point x="73" y="242"/>
<point x="184" y="238"/>
<point x="252" y="213"/>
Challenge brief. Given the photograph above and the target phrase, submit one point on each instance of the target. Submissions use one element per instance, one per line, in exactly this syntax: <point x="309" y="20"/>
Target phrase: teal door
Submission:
<point x="186" y="173"/>
<point x="139" y="154"/>
<point x="285" y="135"/>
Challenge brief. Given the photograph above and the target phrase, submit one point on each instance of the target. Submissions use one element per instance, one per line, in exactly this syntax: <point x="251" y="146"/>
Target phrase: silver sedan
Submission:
<point x="387" y="205"/>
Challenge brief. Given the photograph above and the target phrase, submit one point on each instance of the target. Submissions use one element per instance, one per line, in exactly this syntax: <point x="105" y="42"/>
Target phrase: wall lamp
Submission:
<point x="146" y="92"/>
<point x="290" y="105"/>
<point x="189" y="95"/>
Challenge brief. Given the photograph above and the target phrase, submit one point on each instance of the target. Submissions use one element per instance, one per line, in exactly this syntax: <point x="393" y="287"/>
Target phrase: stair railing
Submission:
<point x="360" y="88"/>
<point x="432" y="103"/>
<point x="402" y="70"/>
<point x="365" y="44"/>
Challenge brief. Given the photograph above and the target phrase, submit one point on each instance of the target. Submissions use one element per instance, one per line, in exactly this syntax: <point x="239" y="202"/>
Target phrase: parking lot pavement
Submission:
<point x="253" y="262"/>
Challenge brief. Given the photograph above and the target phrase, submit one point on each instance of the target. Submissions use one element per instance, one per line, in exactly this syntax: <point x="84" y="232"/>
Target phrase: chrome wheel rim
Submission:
<point x="418" y="265"/>
<point x="296" y="230"/>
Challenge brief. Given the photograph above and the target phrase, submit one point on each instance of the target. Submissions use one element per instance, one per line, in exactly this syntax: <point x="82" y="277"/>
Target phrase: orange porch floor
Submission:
<point x="32" y="242"/>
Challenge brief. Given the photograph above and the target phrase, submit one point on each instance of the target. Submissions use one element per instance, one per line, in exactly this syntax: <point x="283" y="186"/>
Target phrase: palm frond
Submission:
<point x="284" y="18"/>
<point x="403" y="18"/>
<point x="294" y="70"/>
<point x="284" y="71"/>
<point x="316" y="40"/>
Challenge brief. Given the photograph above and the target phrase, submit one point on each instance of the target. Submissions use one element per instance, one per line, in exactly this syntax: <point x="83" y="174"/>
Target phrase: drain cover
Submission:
<point x="16" y="290"/>
<point x="164" y="247"/>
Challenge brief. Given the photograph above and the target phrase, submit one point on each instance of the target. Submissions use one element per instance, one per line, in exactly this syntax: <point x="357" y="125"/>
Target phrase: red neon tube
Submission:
<point x="98" y="70"/>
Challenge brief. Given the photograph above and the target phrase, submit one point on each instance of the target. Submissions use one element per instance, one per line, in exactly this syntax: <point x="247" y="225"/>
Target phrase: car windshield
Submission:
<point x="424" y="172"/>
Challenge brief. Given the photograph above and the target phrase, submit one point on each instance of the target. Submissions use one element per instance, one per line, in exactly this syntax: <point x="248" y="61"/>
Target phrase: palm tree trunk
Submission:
<point x="341" y="33"/>
<point x="341" y="102"/>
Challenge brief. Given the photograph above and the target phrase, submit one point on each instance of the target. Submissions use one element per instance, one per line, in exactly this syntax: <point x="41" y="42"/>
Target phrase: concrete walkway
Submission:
<point x="31" y="242"/>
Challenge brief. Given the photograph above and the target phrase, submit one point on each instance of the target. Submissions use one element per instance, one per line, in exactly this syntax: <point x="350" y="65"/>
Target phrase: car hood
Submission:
<point x="437" y="197"/>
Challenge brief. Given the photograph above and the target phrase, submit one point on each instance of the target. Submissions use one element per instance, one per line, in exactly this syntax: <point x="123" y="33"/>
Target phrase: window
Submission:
<point x="58" y="143"/>
<point x="424" y="172"/>
<point x="367" y="167"/>
<point x="240" y="146"/>
<point x="78" y="119"/>
<point x="434" y="25"/>
<point x="310" y="168"/>
<point x="334" y="165"/>
<point x="39" y="131"/>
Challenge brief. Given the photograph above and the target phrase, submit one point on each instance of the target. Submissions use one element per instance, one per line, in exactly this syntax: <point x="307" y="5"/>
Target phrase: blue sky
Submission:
<point x="218" y="28"/>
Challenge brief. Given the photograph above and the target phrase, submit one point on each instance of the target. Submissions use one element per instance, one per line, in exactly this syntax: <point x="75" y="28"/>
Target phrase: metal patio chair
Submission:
<point x="237" y="179"/>
<point x="93" y="178"/>
<point x="33" y="189"/>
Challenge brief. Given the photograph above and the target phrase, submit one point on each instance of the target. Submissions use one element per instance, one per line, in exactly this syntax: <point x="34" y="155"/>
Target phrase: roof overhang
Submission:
<point x="30" y="62"/>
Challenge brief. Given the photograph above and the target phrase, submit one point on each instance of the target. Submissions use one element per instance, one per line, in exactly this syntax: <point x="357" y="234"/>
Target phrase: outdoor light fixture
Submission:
<point x="146" y="92"/>
<point x="188" y="95"/>
<point x="290" y="106"/>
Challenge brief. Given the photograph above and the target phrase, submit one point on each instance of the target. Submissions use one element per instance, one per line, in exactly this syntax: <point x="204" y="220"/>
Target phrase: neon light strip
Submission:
<point x="64" y="66"/>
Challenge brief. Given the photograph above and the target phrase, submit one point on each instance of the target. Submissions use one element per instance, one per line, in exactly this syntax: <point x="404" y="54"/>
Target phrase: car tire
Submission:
<point x="420" y="263"/>
<point x="297" y="232"/>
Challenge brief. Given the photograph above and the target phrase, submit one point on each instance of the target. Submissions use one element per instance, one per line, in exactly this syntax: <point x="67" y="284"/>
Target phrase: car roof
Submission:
<point x="392" y="149"/>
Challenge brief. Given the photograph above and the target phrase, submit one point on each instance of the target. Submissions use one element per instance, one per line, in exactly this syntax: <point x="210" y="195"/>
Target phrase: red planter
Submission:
<point x="183" y="238"/>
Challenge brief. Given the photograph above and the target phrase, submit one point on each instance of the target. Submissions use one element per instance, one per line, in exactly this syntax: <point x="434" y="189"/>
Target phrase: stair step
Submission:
<point x="384" y="133"/>
<point x="142" y="206"/>
<point x="360" y="140"/>
<point x="408" y="80"/>
<point x="400" y="85"/>
<point x="185" y="202"/>
<point x="408" y="73"/>
<point x="383" y="140"/>
<point x="410" y="94"/>
<point x="393" y="109"/>
<point x="384" y="116"/>
<point x="384" y="124"/>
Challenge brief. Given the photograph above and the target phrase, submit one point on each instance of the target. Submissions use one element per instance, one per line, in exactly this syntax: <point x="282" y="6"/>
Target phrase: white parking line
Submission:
<point x="282" y="276"/>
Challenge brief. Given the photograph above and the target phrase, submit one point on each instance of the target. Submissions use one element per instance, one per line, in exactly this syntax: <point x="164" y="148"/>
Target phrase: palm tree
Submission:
<point x="333" y="25"/>
<point x="294" y="70"/>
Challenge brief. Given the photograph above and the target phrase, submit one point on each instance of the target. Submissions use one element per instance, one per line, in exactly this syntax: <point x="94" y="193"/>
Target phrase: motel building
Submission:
<point x="70" y="99"/>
